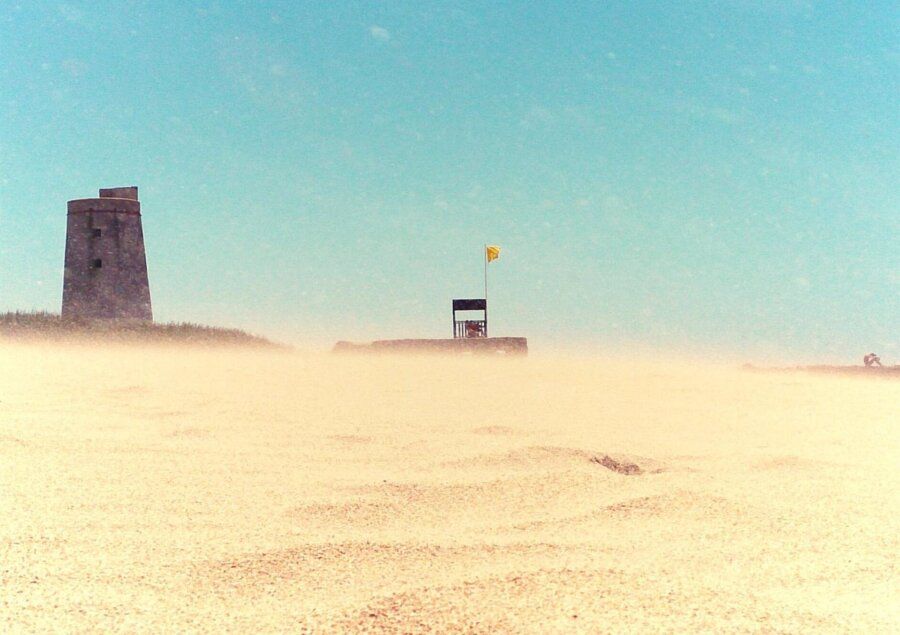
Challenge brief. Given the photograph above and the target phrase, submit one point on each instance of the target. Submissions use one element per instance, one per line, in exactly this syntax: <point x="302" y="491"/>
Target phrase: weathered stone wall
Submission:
<point x="105" y="264"/>
<point x="130" y="192"/>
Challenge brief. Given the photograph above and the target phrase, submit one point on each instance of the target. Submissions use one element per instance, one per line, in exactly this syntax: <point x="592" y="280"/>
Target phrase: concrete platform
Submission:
<point x="467" y="346"/>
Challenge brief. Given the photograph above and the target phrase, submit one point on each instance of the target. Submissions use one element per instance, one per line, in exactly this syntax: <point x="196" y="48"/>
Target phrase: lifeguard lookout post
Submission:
<point x="470" y="336"/>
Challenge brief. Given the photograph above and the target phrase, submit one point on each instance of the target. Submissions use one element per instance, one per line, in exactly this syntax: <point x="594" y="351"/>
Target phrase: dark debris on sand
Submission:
<point x="622" y="467"/>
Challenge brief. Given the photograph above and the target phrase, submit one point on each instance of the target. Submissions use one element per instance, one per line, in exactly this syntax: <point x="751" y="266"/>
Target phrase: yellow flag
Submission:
<point x="493" y="252"/>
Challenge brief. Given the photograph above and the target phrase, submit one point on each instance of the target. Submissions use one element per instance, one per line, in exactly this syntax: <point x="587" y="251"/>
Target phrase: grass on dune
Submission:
<point x="50" y="326"/>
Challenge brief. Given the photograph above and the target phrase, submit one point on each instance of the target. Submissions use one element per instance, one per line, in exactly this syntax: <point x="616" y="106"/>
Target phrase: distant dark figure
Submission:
<point x="871" y="360"/>
<point x="474" y="329"/>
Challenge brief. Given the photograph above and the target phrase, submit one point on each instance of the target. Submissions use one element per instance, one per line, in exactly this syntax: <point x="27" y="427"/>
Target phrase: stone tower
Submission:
<point x="106" y="268"/>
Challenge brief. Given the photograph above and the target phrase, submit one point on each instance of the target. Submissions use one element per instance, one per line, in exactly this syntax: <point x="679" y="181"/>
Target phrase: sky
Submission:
<point x="712" y="177"/>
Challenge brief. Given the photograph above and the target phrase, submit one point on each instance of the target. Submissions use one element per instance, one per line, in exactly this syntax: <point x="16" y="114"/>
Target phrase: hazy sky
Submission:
<point x="716" y="175"/>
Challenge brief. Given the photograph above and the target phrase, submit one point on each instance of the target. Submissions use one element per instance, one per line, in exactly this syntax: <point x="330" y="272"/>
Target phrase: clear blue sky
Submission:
<point x="714" y="175"/>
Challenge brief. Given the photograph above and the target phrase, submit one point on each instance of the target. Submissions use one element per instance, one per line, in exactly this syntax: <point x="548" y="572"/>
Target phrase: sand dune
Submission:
<point x="167" y="489"/>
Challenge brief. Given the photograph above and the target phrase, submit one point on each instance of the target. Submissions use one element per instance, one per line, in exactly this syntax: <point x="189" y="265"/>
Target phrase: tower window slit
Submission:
<point x="97" y="263"/>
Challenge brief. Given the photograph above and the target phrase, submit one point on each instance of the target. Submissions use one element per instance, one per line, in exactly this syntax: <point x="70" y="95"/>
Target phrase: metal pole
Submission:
<point x="484" y="252"/>
<point x="485" y="256"/>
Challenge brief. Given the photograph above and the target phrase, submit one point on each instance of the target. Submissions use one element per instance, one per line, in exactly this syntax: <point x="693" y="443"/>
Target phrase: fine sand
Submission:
<point x="174" y="490"/>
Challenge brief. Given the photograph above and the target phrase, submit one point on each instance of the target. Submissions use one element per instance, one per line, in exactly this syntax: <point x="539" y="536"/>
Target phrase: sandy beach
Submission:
<point x="176" y="490"/>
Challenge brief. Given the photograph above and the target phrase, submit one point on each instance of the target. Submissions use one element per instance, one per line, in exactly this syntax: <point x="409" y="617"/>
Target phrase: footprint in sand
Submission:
<point x="350" y="438"/>
<point x="189" y="432"/>
<point x="494" y="430"/>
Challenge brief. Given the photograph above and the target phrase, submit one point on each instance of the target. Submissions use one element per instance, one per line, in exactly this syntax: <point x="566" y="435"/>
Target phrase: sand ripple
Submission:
<point x="210" y="491"/>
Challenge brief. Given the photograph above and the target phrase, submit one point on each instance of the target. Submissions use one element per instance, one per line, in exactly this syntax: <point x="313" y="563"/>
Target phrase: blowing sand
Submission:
<point x="175" y="490"/>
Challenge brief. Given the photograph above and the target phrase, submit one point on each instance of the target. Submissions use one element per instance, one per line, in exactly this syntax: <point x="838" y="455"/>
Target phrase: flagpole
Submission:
<point x="484" y="251"/>
<point x="485" y="256"/>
